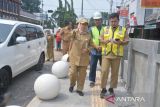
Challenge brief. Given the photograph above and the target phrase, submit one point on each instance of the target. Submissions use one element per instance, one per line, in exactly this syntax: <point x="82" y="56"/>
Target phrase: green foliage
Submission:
<point x="63" y="13"/>
<point x="31" y="5"/>
<point x="49" y="24"/>
<point x="91" y="22"/>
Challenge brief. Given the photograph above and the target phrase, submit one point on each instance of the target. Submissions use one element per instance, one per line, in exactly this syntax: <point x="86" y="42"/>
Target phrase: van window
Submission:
<point x="5" y="29"/>
<point x="31" y="32"/>
<point x="40" y="33"/>
<point x="19" y="31"/>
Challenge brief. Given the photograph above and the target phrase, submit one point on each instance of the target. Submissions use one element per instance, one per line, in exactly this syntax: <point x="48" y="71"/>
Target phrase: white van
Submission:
<point x="22" y="46"/>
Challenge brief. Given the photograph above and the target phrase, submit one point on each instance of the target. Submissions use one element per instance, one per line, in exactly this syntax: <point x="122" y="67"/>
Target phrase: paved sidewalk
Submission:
<point x="91" y="97"/>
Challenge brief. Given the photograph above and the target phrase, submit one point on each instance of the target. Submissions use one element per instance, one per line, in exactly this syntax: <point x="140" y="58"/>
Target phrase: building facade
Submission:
<point x="135" y="12"/>
<point x="9" y="9"/>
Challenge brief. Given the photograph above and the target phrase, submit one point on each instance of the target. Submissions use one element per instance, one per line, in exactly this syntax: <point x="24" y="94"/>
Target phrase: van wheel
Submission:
<point x="4" y="80"/>
<point x="40" y="63"/>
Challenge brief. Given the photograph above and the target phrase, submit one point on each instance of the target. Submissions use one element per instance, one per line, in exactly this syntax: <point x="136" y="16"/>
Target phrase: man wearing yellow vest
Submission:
<point x="113" y="40"/>
<point x="95" y="54"/>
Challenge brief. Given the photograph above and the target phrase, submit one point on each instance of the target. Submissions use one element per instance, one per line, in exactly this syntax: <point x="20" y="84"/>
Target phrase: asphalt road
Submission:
<point x="22" y="87"/>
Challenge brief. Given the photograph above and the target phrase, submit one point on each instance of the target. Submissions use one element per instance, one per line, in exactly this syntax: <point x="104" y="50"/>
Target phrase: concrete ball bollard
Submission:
<point x="65" y="58"/>
<point x="60" y="69"/>
<point x="47" y="86"/>
<point x="13" y="106"/>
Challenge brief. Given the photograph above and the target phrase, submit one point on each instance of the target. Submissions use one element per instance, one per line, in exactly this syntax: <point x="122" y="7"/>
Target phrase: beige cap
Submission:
<point x="83" y="20"/>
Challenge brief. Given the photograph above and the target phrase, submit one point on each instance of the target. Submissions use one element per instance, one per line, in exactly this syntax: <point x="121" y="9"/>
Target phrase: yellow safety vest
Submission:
<point x="96" y="34"/>
<point x="119" y="33"/>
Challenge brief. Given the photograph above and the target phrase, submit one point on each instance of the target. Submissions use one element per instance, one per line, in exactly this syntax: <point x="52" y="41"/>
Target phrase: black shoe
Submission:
<point x="103" y="92"/>
<point x="111" y="91"/>
<point x="71" y="89"/>
<point x="92" y="84"/>
<point x="80" y="93"/>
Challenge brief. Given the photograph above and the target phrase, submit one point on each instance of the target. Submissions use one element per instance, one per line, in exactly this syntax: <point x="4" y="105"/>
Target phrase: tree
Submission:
<point x="31" y="5"/>
<point x="105" y="17"/>
<point x="91" y="22"/>
<point x="49" y="24"/>
<point x="64" y="13"/>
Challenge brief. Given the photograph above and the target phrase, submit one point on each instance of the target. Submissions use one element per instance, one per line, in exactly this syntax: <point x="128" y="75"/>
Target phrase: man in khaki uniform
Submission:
<point x="79" y="55"/>
<point x="50" y="46"/>
<point x="66" y="34"/>
<point x="113" y="40"/>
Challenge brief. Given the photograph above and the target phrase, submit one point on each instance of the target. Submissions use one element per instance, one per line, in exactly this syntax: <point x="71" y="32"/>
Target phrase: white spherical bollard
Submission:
<point x="13" y="106"/>
<point x="60" y="69"/>
<point x="64" y="57"/>
<point x="47" y="86"/>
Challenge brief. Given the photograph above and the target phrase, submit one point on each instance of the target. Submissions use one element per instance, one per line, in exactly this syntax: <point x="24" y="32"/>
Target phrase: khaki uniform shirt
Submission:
<point x="66" y="34"/>
<point x="50" y="41"/>
<point x="78" y="43"/>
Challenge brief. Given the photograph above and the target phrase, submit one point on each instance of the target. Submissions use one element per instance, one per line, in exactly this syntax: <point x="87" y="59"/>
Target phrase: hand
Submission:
<point x="99" y="48"/>
<point x="105" y="41"/>
<point x="118" y="42"/>
<point x="84" y="51"/>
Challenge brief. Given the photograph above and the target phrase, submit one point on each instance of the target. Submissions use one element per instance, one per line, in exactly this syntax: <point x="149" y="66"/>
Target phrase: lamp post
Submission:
<point x="82" y="9"/>
<point x="111" y="5"/>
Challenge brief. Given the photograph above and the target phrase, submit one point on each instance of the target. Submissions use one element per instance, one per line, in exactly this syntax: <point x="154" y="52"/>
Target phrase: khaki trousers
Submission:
<point x="106" y="64"/>
<point x="65" y="47"/>
<point x="77" y="74"/>
<point x="50" y="53"/>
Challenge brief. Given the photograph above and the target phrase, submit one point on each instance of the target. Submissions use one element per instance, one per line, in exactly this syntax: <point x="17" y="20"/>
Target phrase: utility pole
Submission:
<point x="122" y="3"/>
<point x="111" y="5"/>
<point x="82" y="9"/>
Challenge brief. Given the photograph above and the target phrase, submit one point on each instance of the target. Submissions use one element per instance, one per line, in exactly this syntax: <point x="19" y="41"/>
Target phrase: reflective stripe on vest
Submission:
<point x="119" y="33"/>
<point x="96" y="34"/>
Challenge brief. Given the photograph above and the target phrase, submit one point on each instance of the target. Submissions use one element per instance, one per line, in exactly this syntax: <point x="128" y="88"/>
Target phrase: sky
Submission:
<point x="90" y="6"/>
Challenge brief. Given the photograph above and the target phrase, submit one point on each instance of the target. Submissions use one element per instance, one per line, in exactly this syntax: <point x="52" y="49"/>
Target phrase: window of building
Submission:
<point x="16" y="6"/>
<point x="5" y="5"/>
<point x="9" y="6"/>
<point x="1" y="4"/>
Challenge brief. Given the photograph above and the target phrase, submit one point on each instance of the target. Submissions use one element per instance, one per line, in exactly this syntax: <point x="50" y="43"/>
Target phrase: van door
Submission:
<point x="41" y="41"/>
<point x="17" y="52"/>
<point x="33" y="44"/>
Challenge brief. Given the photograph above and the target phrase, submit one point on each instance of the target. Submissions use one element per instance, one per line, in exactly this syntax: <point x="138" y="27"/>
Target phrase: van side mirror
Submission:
<point x="21" y="39"/>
